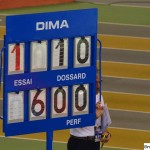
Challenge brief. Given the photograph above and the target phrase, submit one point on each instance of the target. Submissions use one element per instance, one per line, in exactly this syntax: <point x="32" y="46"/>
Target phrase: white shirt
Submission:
<point x="88" y="131"/>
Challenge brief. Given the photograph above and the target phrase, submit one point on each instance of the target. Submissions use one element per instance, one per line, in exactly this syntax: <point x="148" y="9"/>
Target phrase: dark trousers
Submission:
<point x="80" y="144"/>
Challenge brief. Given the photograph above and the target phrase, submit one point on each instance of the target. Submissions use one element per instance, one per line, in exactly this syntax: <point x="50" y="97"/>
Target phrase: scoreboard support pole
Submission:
<point x="100" y="64"/>
<point x="49" y="140"/>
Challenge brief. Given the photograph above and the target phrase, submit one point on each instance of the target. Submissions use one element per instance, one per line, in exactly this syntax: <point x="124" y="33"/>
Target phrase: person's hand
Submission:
<point x="105" y="137"/>
<point x="99" y="110"/>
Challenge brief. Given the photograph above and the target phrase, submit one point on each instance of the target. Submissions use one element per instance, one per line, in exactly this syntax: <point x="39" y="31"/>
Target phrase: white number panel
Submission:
<point x="80" y="99"/>
<point x="37" y="105"/>
<point x="82" y="51"/>
<point x="39" y="56"/>
<point x="16" y="58"/>
<point x="59" y="54"/>
<point x="59" y="102"/>
<point x="15" y="107"/>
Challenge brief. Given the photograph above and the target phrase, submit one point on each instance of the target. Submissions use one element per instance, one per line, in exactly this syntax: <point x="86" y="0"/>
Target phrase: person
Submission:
<point x="88" y="138"/>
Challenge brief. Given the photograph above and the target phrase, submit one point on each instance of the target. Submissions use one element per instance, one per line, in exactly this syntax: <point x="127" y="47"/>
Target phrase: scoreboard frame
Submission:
<point x="29" y="83"/>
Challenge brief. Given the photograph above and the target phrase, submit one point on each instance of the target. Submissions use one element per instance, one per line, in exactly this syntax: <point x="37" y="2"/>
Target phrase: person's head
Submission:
<point x="97" y="84"/>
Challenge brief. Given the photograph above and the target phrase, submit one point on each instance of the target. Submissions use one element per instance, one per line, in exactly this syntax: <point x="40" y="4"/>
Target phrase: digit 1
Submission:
<point x="80" y="88"/>
<point x="82" y="41"/>
<point x="61" y="54"/>
<point x="35" y="102"/>
<point x="62" y="91"/>
<point x="17" y="49"/>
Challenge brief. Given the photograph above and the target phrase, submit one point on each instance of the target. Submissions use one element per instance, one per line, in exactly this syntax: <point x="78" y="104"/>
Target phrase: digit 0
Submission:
<point x="62" y="91"/>
<point x="35" y="102"/>
<point x="80" y="88"/>
<point x="79" y="50"/>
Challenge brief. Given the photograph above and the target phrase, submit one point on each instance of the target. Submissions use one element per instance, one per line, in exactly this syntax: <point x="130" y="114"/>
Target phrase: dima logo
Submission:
<point x="146" y="146"/>
<point x="49" y="25"/>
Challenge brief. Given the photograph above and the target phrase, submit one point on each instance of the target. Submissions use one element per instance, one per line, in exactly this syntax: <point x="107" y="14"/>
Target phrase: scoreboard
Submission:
<point x="49" y="71"/>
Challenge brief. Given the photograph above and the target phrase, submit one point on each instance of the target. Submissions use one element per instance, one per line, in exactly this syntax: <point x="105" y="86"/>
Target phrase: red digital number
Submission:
<point x="17" y="50"/>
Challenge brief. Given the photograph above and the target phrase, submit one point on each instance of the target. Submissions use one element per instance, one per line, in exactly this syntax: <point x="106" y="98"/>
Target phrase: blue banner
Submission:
<point x="51" y="25"/>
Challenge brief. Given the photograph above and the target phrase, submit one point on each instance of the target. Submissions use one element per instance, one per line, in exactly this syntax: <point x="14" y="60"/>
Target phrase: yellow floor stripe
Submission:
<point x="126" y="70"/>
<point x="132" y="139"/>
<point x="61" y="135"/>
<point x="2" y="32"/>
<point x="124" y="42"/>
<point x="1" y="128"/>
<point x="1" y="91"/>
<point x="40" y="136"/>
<point x="127" y="101"/>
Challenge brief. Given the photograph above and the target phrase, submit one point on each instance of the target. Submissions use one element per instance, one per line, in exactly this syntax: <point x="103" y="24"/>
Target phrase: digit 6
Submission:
<point x="35" y="102"/>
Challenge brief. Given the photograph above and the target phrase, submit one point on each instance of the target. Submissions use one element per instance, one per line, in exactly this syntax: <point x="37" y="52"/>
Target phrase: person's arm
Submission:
<point x="99" y="110"/>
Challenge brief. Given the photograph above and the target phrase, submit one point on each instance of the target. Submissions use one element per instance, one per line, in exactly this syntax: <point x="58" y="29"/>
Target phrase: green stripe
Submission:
<point x="107" y="13"/>
<point x="19" y="144"/>
<point x="124" y="15"/>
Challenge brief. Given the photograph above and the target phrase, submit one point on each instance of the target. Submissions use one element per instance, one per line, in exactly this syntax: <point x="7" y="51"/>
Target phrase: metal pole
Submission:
<point x="49" y="144"/>
<point x="100" y="66"/>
